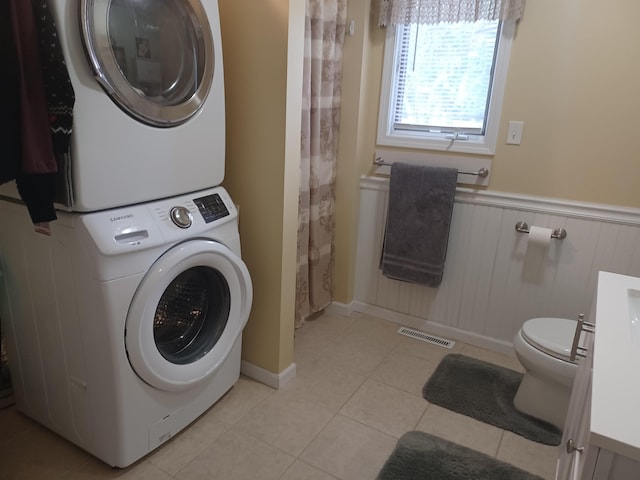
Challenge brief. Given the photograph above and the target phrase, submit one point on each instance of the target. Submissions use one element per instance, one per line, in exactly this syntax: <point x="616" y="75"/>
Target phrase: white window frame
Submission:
<point x="475" y="144"/>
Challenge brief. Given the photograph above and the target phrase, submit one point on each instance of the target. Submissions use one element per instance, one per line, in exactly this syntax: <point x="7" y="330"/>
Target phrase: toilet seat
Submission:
<point x="553" y="336"/>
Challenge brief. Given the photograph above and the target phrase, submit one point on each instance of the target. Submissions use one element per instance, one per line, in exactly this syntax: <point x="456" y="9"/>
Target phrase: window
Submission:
<point x="443" y="85"/>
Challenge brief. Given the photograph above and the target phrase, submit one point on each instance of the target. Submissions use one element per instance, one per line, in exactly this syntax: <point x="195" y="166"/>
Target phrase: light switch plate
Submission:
<point x="514" y="134"/>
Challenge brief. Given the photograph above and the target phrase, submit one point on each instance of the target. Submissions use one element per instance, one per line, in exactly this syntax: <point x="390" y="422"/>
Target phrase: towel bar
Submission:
<point x="558" y="233"/>
<point x="483" y="172"/>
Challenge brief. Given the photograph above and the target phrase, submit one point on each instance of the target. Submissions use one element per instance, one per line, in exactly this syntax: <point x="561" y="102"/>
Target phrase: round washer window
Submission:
<point x="191" y="315"/>
<point x="153" y="57"/>
<point x="187" y="314"/>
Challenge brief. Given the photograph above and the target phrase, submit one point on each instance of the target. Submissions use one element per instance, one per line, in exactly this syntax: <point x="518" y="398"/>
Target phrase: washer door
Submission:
<point x="153" y="57"/>
<point x="187" y="314"/>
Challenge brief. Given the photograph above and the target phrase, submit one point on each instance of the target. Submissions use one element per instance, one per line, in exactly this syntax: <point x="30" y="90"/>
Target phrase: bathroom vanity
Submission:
<point x="601" y="439"/>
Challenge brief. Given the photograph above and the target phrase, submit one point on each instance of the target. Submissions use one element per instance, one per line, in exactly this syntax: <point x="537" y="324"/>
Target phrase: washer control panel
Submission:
<point x="161" y="222"/>
<point x="211" y="207"/>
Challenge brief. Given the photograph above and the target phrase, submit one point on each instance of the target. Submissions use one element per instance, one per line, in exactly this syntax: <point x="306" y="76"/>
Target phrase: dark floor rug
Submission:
<point x="420" y="456"/>
<point x="485" y="392"/>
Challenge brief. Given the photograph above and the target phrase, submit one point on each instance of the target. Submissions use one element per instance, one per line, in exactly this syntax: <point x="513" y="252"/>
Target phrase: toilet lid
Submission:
<point x="551" y="335"/>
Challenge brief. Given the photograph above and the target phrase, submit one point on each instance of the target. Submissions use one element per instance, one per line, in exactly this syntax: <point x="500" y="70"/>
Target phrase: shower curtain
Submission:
<point x="324" y="37"/>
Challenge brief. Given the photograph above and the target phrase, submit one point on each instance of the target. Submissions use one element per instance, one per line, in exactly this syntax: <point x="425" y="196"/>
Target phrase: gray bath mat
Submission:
<point x="420" y="456"/>
<point x="485" y="392"/>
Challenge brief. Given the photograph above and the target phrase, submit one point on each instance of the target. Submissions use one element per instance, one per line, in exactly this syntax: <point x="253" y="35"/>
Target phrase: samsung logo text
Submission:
<point x="121" y="217"/>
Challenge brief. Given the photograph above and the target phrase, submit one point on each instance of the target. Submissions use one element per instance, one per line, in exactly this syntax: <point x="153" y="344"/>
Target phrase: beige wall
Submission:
<point x="353" y="140"/>
<point x="263" y="85"/>
<point x="573" y="79"/>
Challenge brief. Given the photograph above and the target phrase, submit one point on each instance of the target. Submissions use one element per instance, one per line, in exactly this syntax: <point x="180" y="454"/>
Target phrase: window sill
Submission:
<point x="476" y="147"/>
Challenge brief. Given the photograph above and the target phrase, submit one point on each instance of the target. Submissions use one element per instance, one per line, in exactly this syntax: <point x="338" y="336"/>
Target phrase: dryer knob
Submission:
<point x="181" y="217"/>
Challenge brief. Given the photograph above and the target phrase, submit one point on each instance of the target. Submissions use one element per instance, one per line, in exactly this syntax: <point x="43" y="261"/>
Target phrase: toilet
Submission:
<point x="543" y="347"/>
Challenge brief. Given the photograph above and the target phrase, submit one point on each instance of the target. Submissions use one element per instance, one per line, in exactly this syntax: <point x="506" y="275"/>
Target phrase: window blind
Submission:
<point x="443" y="76"/>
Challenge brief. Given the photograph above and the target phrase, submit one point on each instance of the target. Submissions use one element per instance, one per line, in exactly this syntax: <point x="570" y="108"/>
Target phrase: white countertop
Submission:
<point x="615" y="403"/>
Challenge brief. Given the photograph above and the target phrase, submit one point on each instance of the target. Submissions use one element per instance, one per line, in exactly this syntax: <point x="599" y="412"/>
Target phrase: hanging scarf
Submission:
<point x="60" y="99"/>
<point x="57" y="85"/>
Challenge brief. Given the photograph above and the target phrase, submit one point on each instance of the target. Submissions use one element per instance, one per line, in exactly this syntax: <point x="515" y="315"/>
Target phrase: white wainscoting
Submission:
<point x="492" y="283"/>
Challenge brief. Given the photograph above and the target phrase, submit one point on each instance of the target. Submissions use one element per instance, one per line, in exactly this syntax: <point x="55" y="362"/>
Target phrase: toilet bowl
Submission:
<point x="543" y="347"/>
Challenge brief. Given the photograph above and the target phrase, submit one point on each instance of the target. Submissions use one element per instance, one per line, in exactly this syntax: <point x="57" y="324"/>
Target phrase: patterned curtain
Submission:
<point x="324" y="38"/>
<point x="407" y="12"/>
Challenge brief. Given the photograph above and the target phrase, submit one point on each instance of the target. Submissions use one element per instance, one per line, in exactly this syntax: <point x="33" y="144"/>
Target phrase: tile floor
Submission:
<point x="358" y="388"/>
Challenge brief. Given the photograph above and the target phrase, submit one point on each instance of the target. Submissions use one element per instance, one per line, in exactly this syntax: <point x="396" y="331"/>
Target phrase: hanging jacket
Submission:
<point x="39" y="104"/>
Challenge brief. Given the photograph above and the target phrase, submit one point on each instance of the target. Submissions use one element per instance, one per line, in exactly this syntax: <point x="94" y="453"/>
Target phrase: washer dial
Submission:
<point x="181" y="217"/>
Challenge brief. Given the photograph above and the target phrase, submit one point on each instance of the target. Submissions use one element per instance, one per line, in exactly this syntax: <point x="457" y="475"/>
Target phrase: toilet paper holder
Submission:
<point x="558" y="233"/>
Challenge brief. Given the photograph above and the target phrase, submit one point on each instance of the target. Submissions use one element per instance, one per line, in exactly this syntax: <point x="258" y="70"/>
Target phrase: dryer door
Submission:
<point x="187" y="314"/>
<point x="153" y="57"/>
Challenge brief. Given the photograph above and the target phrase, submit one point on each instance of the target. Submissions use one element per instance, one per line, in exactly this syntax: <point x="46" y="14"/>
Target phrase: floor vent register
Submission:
<point x="425" y="337"/>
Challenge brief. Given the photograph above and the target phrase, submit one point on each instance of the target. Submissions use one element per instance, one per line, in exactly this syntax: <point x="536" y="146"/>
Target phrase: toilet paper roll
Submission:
<point x="539" y="236"/>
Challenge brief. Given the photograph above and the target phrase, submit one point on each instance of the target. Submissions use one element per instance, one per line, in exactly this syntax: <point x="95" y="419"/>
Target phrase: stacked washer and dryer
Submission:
<point x="125" y="324"/>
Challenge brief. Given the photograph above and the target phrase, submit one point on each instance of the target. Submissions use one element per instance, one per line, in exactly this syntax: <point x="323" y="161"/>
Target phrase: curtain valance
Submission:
<point x="407" y="12"/>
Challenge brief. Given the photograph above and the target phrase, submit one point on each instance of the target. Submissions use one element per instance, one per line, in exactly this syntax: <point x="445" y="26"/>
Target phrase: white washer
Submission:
<point x="125" y="325"/>
<point x="149" y="118"/>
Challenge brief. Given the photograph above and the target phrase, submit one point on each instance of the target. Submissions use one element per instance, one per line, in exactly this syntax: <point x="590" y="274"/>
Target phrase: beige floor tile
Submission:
<point x="507" y="361"/>
<point x="324" y="329"/>
<point x="530" y="456"/>
<point x="96" y="470"/>
<point x="349" y="450"/>
<point x="355" y="364"/>
<point x="460" y="429"/>
<point x="370" y="333"/>
<point x="237" y="456"/>
<point x="40" y="454"/>
<point x="287" y="421"/>
<point x="385" y="408"/>
<point x="361" y="322"/>
<point x="240" y="400"/>
<point x="315" y="335"/>
<point x="302" y="471"/>
<point x="322" y="383"/>
<point x="405" y="372"/>
<point x="145" y="471"/>
<point x="13" y="424"/>
<point x="179" y="451"/>
<point x="352" y="356"/>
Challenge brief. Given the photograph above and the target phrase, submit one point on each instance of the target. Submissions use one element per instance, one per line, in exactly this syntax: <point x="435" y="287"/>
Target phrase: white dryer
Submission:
<point x="149" y="118"/>
<point x="125" y="325"/>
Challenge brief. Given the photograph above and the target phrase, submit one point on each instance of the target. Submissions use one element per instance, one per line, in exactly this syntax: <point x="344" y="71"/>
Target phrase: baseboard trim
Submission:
<point x="433" y="328"/>
<point x="340" y="308"/>
<point x="273" y="380"/>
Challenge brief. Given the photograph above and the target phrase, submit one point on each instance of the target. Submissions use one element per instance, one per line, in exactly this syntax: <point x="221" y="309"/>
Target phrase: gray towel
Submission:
<point x="418" y="221"/>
